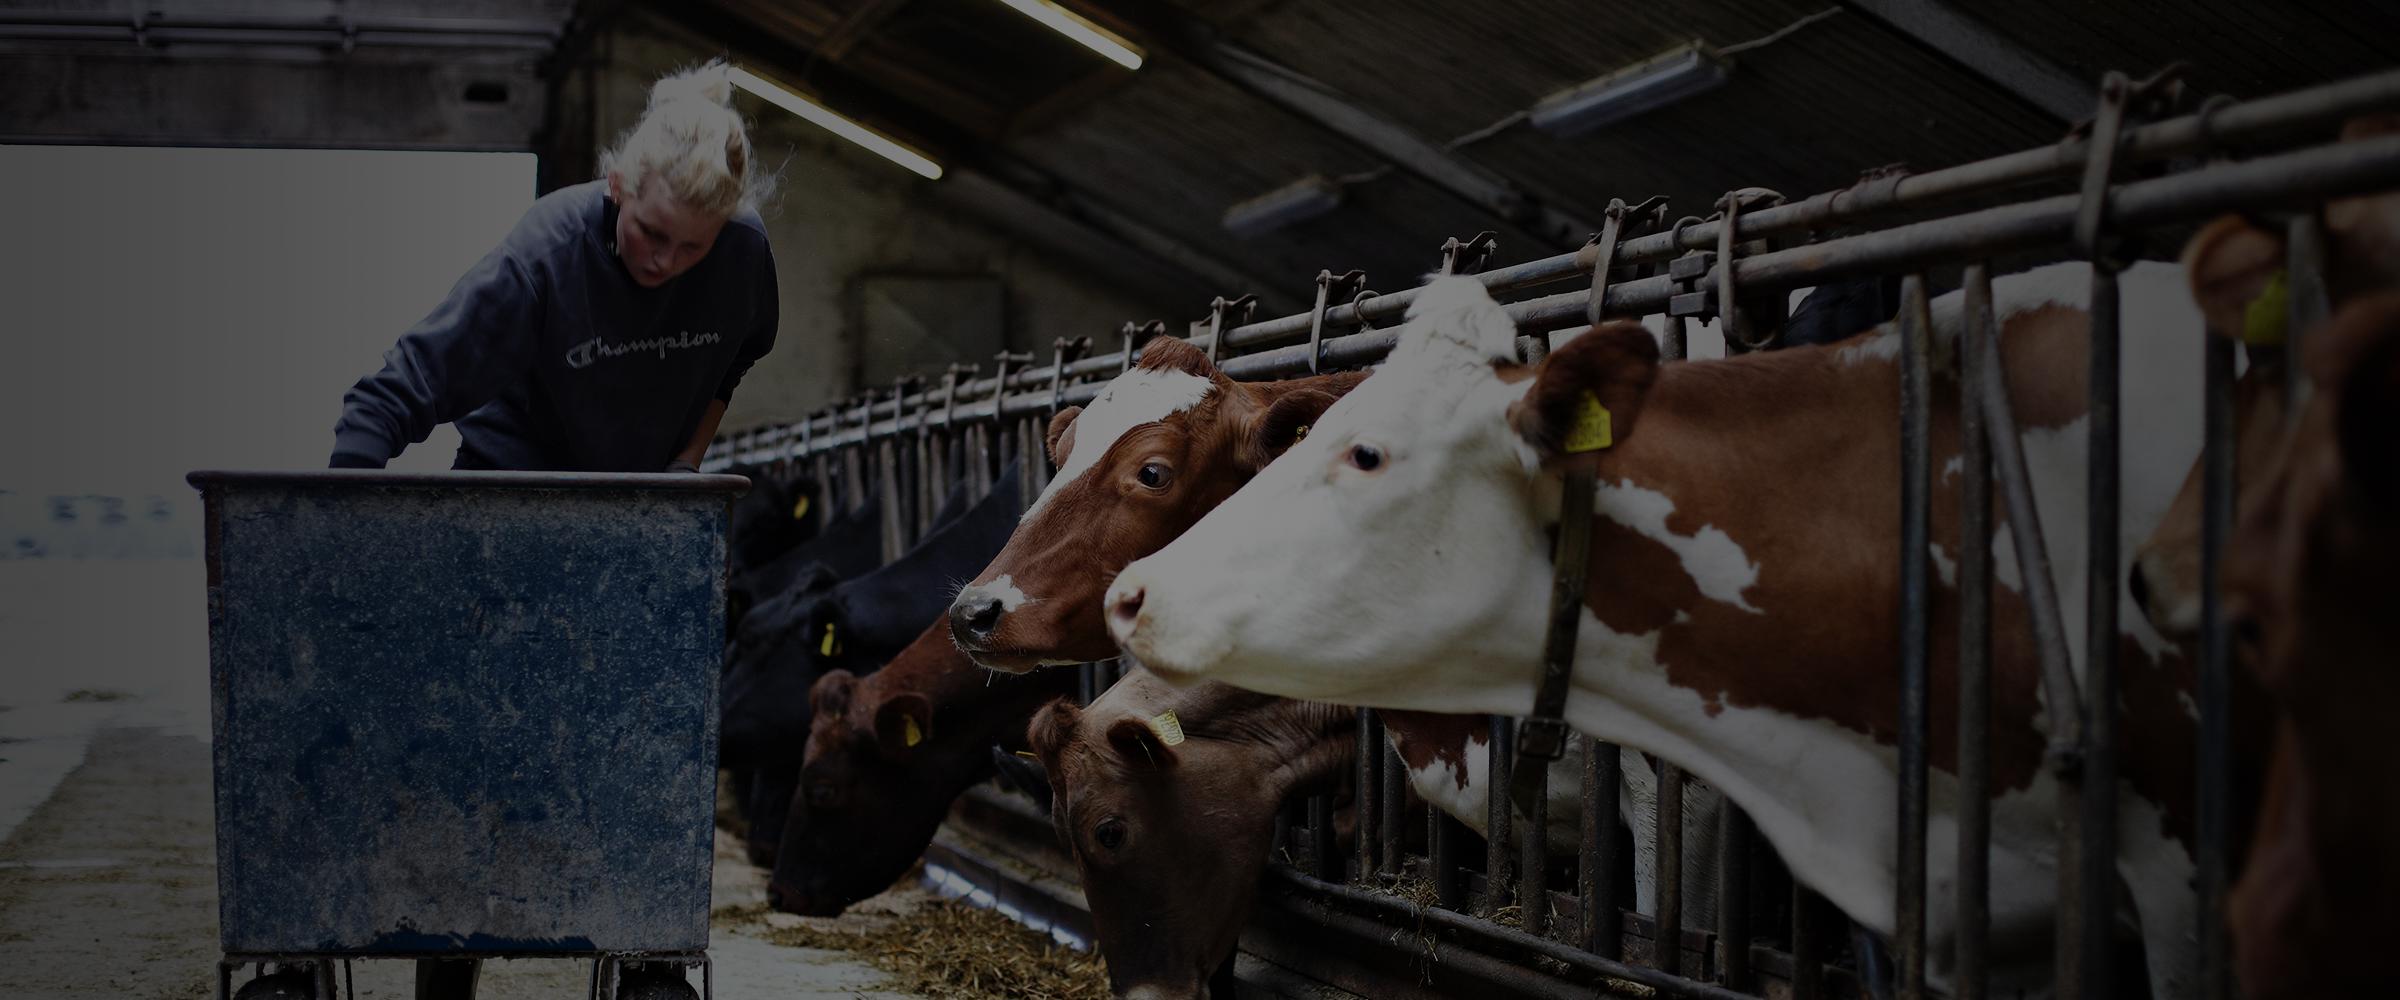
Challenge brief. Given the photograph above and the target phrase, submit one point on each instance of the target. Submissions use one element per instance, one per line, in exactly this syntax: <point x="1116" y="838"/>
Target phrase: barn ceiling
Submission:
<point x="1821" y="91"/>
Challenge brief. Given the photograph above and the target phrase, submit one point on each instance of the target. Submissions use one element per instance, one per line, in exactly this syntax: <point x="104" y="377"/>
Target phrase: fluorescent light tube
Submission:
<point x="1290" y="204"/>
<point x="1644" y="86"/>
<point x="825" y="118"/>
<point x="1073" y="25"/>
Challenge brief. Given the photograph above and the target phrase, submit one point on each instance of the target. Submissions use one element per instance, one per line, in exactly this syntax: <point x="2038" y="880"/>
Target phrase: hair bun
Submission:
<point x="711" y="82"/>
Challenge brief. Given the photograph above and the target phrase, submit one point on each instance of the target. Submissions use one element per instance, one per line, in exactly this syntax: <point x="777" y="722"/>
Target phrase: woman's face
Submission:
<point x="659" y="236"/>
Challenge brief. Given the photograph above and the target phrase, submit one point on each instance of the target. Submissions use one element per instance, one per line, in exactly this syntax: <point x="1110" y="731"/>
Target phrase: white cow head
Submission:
<point x="1397" y="555"/>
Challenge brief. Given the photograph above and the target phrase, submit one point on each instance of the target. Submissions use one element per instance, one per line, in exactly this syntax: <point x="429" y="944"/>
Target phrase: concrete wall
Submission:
<point x="842" y="212"/>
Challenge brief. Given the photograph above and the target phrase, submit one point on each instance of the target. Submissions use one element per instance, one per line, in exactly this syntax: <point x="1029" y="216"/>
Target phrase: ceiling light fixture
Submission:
<point x="1687" y="70"/>
<point x="831" y="121"/>
<point x="1084" y="32"/>
<point x="1291" y="204"/>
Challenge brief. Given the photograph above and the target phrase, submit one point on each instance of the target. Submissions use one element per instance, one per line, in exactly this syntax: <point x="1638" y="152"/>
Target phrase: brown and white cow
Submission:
<point x="2310" y="566"/>
<point x="1162" y="445"/>
<point x="1742" y="612"/>
<point x="886" y="756"/>
<point x="1158" y="447"/>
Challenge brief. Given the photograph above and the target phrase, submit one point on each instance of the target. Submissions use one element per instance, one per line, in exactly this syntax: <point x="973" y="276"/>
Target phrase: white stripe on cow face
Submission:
<point x="1140" y="396"/>
<point x="1005" y="590"/>
<point x="1713" y="559"/>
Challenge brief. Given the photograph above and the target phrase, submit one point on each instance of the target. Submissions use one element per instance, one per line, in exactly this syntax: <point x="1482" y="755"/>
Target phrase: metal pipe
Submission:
<point x="1395" y="802"/>
<point x="1391" y="911"/>
<point x="1916" y="614"/>
<point x="2215" y="693"/>
<point x="1498" y="818"/>
<point x="1733" y="896"/>
<point x="1370" y="791"/>
<point x="1322" y="854"/>
<point x="2100" y="650"/>
<point x="1667" y="946"/>
<point x="1808" y="948"/>
<point x="2297" y="178"/>
<point x="1444" y="833"/>
<point x="1974" y="647"/>
<point x="1596" y="860"/>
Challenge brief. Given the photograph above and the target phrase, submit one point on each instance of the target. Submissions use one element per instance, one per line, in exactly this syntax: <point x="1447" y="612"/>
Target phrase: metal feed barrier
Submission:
<point x="2223" y="157"/>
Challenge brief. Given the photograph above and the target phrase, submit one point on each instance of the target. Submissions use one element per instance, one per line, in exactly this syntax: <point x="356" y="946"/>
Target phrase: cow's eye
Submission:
<point x="1110" y="834"/>
<point x="1366" y="457"/>
<point x="823" y="795"/>
<point x="1154" y="475"/>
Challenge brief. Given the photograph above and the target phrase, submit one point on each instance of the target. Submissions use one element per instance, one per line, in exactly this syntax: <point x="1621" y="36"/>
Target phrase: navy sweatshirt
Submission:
<point x="549" y="356"/>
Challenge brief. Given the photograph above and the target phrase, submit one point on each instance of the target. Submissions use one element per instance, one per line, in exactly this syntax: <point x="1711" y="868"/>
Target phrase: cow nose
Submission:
<point x="975" y="614"/>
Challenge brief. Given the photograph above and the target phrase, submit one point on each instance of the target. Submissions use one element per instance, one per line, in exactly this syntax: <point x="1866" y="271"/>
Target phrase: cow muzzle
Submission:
<point x="974" y="616"/>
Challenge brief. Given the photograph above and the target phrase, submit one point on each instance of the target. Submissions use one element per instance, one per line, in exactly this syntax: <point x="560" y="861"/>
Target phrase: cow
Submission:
<point x="2308" y="572"/>
<point x="771" y="518"/>
<point x="886" y="755"/>
<point x="1159" y="447"/>
<point x="764" y="698"/>
<point x="1160" y="444"/>
<point x="2237" y="276"/>
<point x="850" y="544"/>
<point x="1741" y="618"/>
<point x="1170" y="824"/>
<point x="1159" y="928"/>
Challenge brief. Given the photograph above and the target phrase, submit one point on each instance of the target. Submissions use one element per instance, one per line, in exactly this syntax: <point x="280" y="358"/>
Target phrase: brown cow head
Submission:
<point x="2237" y="273"/>
<point x="1170" y="823"/>
<point x="886" y="755"/>
<point x="1163" y="444"/>
<point x="2309" y="573"/>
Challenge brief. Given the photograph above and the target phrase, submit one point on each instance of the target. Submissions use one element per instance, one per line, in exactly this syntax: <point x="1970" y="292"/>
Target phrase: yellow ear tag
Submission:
<point x="2265" y="319"/>
<point x="1027" y="754"/>
<point x="831" y="646"/>
<point x="800" y="509"/>
<point x="1591" y="431"/>
<point x="910" y="735"/>
<point x="1301" y="434"/>
<point x="1168" y="727"/>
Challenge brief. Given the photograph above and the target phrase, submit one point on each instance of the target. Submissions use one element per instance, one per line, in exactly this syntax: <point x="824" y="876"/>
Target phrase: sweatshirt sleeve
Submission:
<point x="762" y="332"/>
<point x="473" y="345"/>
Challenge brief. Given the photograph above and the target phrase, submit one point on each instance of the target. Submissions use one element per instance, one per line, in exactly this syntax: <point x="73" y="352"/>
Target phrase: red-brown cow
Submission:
<point x="2310" y="565"/>
<point x="886" y="756"/>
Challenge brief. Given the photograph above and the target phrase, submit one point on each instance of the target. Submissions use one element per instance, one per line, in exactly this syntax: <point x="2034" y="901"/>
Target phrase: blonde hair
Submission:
<point x="692" y="140"/>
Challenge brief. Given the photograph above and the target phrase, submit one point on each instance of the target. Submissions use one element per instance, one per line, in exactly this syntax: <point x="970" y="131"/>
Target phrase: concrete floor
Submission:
<point x="107" y="855"/>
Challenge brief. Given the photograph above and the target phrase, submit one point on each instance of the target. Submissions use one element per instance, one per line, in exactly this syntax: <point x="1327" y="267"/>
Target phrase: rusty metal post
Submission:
<point x="1916" y="613"/>
<point x="1498" y="819"/>
<point x="1368" y="805"/>
<point x="1667" y="947"/>
<point x="1973" y="931"/>
<point x="1596" y="860"/>
<point x="1735" y="833"/>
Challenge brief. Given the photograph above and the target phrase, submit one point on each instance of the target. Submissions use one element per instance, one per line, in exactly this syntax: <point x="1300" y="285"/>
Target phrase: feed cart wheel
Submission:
<point x="290" y="982"/>
<point x="655" y="982"/>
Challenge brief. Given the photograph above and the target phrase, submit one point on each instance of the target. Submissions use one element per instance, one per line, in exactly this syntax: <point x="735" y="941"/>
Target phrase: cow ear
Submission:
<point x="1281" y="425"/>
<point x="2230" y="264"/>
<point x="1140" y="745"/>
<point x="830" y="695"/>
<point x="1023" y="772"/>
<point x="903" y="723"/>
<point x="1062" y="434"/>
<point x="1588" y="392"/>
<point x="1174" y="354"/>
<point x="1051" y="729"/>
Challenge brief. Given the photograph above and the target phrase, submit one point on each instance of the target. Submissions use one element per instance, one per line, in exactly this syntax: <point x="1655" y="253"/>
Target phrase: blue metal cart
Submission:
<point x="463" y="716"/>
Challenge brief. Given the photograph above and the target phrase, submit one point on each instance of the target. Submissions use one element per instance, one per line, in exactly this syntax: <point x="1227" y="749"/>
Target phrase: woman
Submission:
<point x="607" y="332"/>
